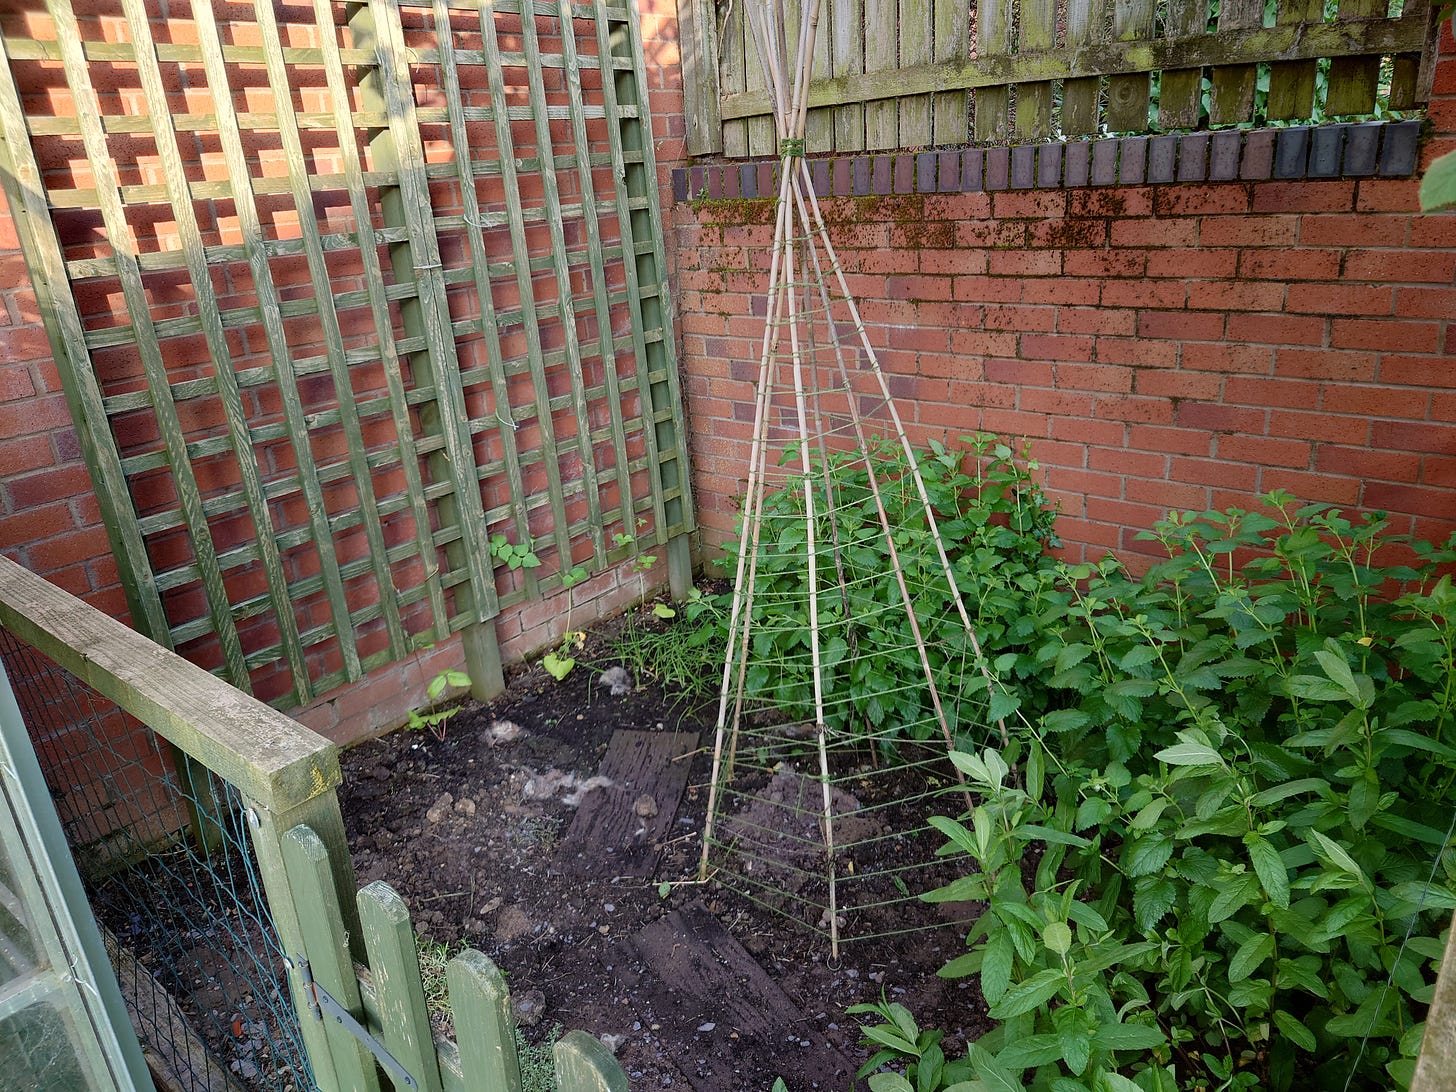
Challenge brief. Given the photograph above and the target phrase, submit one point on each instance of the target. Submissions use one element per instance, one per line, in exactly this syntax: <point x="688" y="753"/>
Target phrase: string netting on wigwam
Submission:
<point x="852" y="667"/>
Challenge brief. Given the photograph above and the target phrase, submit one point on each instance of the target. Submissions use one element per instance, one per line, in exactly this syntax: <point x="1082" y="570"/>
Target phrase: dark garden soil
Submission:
<point x="698" y="988"/>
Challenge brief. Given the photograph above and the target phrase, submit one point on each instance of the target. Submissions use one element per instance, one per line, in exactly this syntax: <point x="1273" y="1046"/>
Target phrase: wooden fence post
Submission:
<point x="583" y="1064"/>
<point x="483" y="1025"/>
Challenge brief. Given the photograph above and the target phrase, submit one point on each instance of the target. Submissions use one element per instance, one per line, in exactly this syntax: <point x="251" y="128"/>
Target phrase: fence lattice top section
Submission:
<point x="915" y="73"/>
<point x="339" y="294"/>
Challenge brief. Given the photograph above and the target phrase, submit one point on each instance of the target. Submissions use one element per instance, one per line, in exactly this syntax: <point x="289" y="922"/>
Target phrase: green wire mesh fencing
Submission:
<point x="163" y="848"/>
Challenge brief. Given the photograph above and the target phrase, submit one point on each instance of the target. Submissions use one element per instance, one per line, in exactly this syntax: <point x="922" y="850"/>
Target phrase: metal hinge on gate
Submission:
<point x="320" y="1001"/>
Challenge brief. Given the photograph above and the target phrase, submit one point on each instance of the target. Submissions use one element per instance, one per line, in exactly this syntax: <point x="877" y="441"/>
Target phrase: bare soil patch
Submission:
<point x="475" y="831"/>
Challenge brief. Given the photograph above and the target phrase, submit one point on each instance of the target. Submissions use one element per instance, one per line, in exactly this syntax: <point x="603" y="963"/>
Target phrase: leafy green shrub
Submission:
<point x="996" y="526"/>
<point x="1215" y="853"/>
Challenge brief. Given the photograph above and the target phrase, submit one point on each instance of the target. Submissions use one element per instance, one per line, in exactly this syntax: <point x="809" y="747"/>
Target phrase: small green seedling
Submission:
<point x="514" y="556"/>
<point x="434" y="719"/>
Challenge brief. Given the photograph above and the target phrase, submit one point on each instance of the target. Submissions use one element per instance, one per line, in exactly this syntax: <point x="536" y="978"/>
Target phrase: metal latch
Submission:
<point x="320" y="1001"/>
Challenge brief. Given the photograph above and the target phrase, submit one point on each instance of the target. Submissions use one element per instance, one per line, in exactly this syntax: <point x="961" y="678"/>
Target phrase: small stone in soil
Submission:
<point x="645" y="806"/>
<point x="440" y="808"/>
<point x="707" y="1027"/>
<point x="529" y="1007"/>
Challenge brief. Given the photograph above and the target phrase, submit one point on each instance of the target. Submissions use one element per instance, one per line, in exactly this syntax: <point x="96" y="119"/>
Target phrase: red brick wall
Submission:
<point x="1173" y="346"/>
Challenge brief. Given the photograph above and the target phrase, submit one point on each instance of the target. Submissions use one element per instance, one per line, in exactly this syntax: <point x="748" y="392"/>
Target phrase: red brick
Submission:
<point x="1128" y="462"/>
<point x="1039" y="205"/>
<point x="952" y="262"/>
<point x="1340" y="299"/>
<point x="1061" y="402"/>
<point x="1304" y="197"/>
<point x="1418" y="371"/>
<point x="1382" y="195"/>
<point x="1375" y="401"/>
<point x="1228" y="356"/>
<point x="1117" y="203"/>
<point x="1026" y="372"/>
<point x="1163" y="232"/>
<point x="1265" y="230"/>
<point x="1011" y="317"/>
<point x="1352" y="229"/>
<point x="1096" y="320"/>
<point x="1084" y="483"/>
<point x="987" y="289"/>
<point x="1317" y="488"/>
<point x="1273" y="329"/>
<point x="1173" y="382"/>
<point x="1135" y="408"/>
<point x="1139" y="293"/>
<point x="1175" y="441"/>
<point x="1199" y="261"/>
<point x="1263" y="449"/>
<point x="1245" y="390"/>
<point x="1104" y="263"/>
<point x="1056" y="347"/>
<point x="1362" y="462"/>
<point x="1437" y="303"/>
<point x="1180" y="325"/>
<point x="24" y="453"/>
<point x="1167" y="495"/>
<point x="1079" y="430"/>
<point x="1221" y="418"/>
<point x="1413" y="436"/>
<point x="1405" y="265"/>
<point x="1354" y="367"/>
<point x="1137" y="351"/>
<point x="1411" y="337"/>
<point x="1218" y="200"/>
<point x="1094" y="377"/>
<point x="1416" y="499"/>
<point x="1296" y="264"/>
<point x="1036" y="263"/>
<point x="1214" y="472"/>
<point x="1439" y="470"/>
<point x="1321" y="427"/>
<point x="1235" y="295"/>
<point x="1067" y="290"/>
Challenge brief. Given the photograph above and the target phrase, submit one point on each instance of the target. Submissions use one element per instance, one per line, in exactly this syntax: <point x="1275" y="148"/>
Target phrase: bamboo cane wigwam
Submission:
<point x="844" y="683"/>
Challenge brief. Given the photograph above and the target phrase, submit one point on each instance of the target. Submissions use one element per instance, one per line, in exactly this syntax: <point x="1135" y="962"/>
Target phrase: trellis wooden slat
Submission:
<point x="423" y="544"/>
<point x="1231" y="99"/>
<point x="1013" y="50"/>
<point x="490" y="322"/>
<point x="129" y="276"/>
<point x="561" y="274"/>
<point x="601" y="299"/>
<point x="24" y="189"/>
<point x="657" y="372"/>
<point x="993" y="38"/>
<point x="245" y="206"/>
<point x="368" y="241"/>
<point x="1034" y="100"/>
<point x="1352" y="80"/>
<point x="414" y="195"/>
<point x="505" y="146"/>
<point x="336" y="354"/>
<point x="1080" y="96"/>
<point x="1180" y="96"/>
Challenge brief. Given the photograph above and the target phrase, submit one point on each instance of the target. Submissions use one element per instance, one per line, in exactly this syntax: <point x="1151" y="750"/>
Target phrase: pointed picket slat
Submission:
<point x="583" y="1064"/>
<point x="484" y="1028"/>
<point x="394" y="963"/>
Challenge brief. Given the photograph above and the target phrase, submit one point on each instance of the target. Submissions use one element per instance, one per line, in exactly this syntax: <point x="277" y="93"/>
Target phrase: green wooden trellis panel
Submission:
<point x="336" y="301"/>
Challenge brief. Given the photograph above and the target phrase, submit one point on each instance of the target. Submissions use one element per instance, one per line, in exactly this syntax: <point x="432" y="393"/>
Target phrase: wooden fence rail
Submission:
<point x="915" y="73"/>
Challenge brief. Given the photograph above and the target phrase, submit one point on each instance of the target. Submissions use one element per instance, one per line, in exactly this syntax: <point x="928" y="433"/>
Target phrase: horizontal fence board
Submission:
<point x="1375" y="36"/>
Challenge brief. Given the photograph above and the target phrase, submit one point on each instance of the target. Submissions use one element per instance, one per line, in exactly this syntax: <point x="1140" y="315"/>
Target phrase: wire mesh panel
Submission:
<point x="173" y="883"/>
<point x="256" y="256"/>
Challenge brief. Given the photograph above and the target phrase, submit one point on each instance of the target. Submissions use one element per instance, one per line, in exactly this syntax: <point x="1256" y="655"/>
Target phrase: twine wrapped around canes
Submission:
<point x="819" y="420"/>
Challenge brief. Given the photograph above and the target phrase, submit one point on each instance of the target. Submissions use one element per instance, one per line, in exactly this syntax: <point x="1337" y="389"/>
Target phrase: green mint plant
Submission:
<point x="1215" y="852"/>
<point x="997" y="527"/>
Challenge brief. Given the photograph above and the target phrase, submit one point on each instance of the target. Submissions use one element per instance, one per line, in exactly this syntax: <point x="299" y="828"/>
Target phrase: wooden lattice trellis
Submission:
<point x="339" y="299"/>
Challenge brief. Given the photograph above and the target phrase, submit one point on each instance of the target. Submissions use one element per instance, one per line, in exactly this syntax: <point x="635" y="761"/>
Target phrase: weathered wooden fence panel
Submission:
<point x="901" y="73"/>
<point x="323" y="344"/>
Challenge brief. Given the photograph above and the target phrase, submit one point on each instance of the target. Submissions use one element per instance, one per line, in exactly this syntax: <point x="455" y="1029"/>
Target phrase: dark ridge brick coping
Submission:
<point x="1385" y="149"/>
